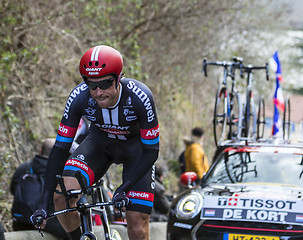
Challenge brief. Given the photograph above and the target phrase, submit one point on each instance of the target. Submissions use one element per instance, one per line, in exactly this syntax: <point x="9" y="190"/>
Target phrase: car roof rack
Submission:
<point x="268" y="142"/>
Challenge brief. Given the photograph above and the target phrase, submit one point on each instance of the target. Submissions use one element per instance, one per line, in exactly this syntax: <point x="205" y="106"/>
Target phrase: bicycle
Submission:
<point x="86" y="209"/>
<point x="253" y="123"/>
<point x="228" y="110"/>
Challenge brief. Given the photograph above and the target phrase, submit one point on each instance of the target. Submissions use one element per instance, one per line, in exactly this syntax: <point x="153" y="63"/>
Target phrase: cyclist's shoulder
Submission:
<point x="80" y="90"/>
<point x="135" y="85"/>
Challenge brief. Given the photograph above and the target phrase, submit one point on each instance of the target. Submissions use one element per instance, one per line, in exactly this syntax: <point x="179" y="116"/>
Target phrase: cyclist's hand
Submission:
<point x="38" y="219"/>
<point x="121" y="201"/>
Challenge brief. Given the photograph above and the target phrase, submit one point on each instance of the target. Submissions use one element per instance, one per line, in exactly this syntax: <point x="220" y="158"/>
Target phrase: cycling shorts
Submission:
<point x="97" y="153"/>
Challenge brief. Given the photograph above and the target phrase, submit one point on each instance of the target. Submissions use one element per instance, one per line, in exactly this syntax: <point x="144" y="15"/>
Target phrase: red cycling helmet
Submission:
<point x="100" y="61"/>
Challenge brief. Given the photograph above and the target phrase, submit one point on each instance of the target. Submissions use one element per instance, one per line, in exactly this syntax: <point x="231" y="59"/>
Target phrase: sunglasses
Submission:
<point x="103" y="84"/>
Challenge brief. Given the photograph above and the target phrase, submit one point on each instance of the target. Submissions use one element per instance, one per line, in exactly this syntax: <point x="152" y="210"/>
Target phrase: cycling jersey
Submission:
<point x="125" y="133"/>
<point x="134" y="115"/>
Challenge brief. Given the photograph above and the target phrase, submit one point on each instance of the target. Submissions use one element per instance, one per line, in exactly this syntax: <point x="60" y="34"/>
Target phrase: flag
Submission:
<point x="278" y="96"/>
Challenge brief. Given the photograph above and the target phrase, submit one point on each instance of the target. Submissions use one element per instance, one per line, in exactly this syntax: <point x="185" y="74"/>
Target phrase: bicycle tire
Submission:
<point x="220" y="116"/>
<point x="261" y="118"/>
<point x="234" y="121"/>
<point x="250" y="118"/>
<point x="88" y="236"/>
<point x="115" y="235"/>
<point x="286" y="120"/>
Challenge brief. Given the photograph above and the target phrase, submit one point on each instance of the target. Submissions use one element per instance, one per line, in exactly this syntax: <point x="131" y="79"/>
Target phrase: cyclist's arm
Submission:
<point x="149" y="133"/>
<point x="55" y="165"/>
<point x="60" y="152"/>
<point x="150" y="156"/>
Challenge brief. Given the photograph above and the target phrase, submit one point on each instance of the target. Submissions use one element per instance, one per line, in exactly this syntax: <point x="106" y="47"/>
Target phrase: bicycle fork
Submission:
<point x="86" y="221"/>
<point x="103" y="214"/>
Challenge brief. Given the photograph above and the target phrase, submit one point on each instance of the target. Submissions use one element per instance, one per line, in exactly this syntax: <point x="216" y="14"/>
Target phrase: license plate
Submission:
<point x="250" y="237"/>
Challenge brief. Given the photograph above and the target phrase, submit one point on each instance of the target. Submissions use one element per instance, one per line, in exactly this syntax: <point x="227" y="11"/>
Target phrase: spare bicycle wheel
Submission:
<point x="286" y="120"/>
<point x="220" y="116"/>
<point x="261" y="118"/>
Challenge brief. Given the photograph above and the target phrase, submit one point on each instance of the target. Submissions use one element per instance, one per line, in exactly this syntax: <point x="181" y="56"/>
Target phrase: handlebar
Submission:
<point x="79" y="207"/>
<point x="249" y="69"/>
<point x="236" y="62"/>
<point x="84" y="190"/>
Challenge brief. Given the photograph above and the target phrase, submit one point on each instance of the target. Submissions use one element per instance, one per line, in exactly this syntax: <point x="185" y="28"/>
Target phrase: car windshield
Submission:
<point x="266" y="167"/>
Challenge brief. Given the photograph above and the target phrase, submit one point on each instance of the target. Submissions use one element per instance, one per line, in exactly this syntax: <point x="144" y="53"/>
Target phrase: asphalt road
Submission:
<point x="157" y="232"/>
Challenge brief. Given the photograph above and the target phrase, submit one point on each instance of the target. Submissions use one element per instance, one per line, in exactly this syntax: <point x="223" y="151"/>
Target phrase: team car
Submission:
<point x="251" y="192"/>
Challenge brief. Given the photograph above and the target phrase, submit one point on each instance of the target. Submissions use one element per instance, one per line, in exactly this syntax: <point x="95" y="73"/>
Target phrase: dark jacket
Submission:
<point x="36" y="166"/>
<point x="161" y="203"/>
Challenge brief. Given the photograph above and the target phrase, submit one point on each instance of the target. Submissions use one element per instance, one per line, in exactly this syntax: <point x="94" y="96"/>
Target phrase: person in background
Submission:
<point x="37" y="167"/>
<point x="181" y="161"/>
<point x="195" y="158"/>
<point x="161" y="201"/>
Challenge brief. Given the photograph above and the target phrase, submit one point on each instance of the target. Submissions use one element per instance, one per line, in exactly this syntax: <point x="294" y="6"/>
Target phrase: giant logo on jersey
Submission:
<point x="113" y="129"/>
<point x="143" y="98"/>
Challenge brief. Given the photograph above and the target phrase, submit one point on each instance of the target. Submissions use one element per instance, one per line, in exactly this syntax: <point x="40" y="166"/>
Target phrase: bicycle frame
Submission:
<point x="85" y="209"/>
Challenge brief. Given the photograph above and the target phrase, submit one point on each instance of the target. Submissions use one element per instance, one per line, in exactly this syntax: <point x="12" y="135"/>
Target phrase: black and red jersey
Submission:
<point x="134" y="115"/>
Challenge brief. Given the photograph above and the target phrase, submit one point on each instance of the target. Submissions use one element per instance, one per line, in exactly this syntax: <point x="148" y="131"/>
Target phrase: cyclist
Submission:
<point x="124" y="129"/>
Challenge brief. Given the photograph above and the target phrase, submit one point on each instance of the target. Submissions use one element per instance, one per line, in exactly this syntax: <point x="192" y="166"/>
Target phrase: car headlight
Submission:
<point x="189" y="205"/>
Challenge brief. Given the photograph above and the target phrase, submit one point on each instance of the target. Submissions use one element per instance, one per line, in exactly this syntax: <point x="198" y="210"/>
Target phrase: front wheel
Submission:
<point x="220" y="116"/>
<point x="115" y="235"/>
<point x="286" y="120"/>
<point x="88" y="236"/>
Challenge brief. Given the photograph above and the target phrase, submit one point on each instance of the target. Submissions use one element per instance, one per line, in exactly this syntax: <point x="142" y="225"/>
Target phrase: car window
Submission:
<point x="258" y="167"/>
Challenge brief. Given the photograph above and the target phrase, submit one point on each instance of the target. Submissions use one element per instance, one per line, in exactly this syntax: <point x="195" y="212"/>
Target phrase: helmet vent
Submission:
<point x="103" y="65"/>
<point x="90" y="64"/>
<point x="84" y="66"/>
<point x="96" y="63"/>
